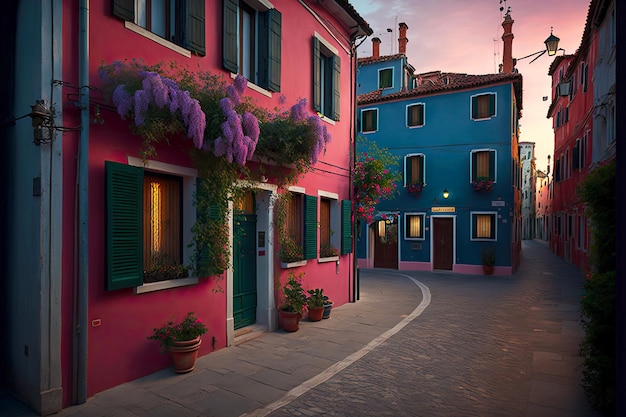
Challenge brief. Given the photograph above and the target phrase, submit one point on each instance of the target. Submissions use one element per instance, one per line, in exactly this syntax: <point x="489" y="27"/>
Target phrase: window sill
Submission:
<point x="164" y="285"/>
<point x="254" y="87"/>
<point x="286" y="265"/>
<point x="156" y="38"/>
<point x="328" y="259"/>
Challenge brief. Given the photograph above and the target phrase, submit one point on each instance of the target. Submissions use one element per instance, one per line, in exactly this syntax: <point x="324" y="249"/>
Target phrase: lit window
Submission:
<point x="414" y="169"/>
<point x="414" y="226"/>
<point x="483" y="165"/>
<point x="483" y="226"/>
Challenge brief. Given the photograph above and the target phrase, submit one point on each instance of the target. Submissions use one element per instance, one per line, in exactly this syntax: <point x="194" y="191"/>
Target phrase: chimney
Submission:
<point x="375" y="47"/>
<point x="402" y="40"/>
<point x="507" y="38"/>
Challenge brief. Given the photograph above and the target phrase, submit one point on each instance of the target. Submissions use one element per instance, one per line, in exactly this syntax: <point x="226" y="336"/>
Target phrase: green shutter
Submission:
<point x="274" y="49"/>
<point x="336" y="62"/>
<point x="124" y="9"/>
<point x="346" y="227"/>
<point x="492" y="104"/>
<point x="124" y="225"/>
<point x="474" y="166"/>
<point x="475" y="107"/>
<point x="408" y="170"/>
<point x="196" y="27"/>
<point x="317" y="76"/>
<point x="229" y="35"/>
<point x="420" y="115"/>
<point x="310" y="227"/>
<point x="205" y="210"/>
<point x="492" y="165"/>
<point x="420" y="168"/>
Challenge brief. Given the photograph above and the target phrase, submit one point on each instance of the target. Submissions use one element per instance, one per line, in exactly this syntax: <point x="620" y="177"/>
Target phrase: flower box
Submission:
<point x="482" y="184"/>
<point x="414" y="189"/>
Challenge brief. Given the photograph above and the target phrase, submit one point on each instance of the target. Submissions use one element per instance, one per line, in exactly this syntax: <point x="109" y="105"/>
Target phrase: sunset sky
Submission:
<point x="458" y="36"/>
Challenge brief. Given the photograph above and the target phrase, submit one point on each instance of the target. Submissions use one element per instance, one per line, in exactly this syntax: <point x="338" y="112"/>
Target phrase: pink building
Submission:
<point x="106" y="220"/>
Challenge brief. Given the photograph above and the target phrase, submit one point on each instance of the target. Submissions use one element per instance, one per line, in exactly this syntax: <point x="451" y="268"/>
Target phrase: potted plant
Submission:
<point x="290" y="251"/>
<point x="290" y="312"/>
<point x="328" y="305"/>
<point x="482" y="184"/>
<point x="328" y="251"/>
<point x="415" y="188"/>
<point x="315" y="304"/>
<point x="488" y="259"/>
<point x="182" y="340"/>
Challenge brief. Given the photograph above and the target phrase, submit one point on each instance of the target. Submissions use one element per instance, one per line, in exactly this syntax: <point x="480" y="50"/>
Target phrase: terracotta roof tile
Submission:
<point x="440" y="82"/>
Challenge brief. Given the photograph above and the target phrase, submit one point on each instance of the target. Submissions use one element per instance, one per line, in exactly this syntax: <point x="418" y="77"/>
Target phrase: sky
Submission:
<point x="465" y="36"/>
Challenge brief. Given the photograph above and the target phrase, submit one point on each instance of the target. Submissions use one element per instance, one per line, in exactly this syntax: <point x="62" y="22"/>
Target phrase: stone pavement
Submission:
<point x="415" y="344"/>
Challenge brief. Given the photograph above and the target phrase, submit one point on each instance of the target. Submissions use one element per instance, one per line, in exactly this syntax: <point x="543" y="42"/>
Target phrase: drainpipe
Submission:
<point x="83" y="200"/>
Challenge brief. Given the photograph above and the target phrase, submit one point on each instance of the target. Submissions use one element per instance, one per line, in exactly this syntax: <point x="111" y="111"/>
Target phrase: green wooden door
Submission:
<point x="244" y="270"/>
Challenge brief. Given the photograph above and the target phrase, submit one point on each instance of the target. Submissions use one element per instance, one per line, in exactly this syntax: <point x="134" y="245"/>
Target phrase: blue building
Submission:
<point x="456" y="137"/>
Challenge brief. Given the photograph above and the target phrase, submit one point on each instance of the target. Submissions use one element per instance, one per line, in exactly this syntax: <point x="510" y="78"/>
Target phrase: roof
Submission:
<point x="384" y="58"/>
<point x="362" y="28"/>
<point x="437" y="82"/>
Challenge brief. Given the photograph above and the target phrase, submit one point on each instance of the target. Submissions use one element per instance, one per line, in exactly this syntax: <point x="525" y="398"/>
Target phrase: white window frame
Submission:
<point x="406" y="115"/>
<point x="189" y="176"/>
<point x="495" y="162"/>
<point x="392" y="77"/>
<point x="335" y="223"/>
<point x="406" y="158"/>
<point x="494" y="215"/>
<point x="406" y="223"/>
<point x="495" y="106"/>
<point x="375" y="109"/>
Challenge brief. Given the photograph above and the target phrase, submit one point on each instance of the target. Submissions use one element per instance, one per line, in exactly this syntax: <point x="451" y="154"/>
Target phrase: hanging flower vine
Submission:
<point x="375" y="178"/>
<point x="227" y="130"/>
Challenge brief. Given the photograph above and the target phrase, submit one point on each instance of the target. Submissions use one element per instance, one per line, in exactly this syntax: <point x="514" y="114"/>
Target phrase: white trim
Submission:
<point x="296" y="189"/>
<point x="328" y="259"/>
<point x="254" y="87"/>
<point x="156" y="38"/>
<point x="495" y="162"/>
<point x="162" y="167"/>
<point x="163" y="285"/>
<point x="326" y="43"/>
<point x="409" y="155"/>
<point x="361" y="121"/>
<point x="432" y="238"/>
<point x="328" y="194"/>
<point x="495" y="105"/>
<point x="286" y="265"/>
<point x="406" y="115"/>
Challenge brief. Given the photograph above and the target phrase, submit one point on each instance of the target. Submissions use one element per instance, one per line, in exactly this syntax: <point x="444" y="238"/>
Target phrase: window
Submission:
<point x="483" y="106"/>
<point x="483" y="226"/>
<point x="415" y="115"/>
<point x="182" y="23"/>
<point x="301" y="223"/>
<point x="149" y="218"/>
<point x="326" y="71"/>
<point x="329" y="224"/>
<point x="414" y="169"/>
<point x="414" y="226"/>
<point x="251" y="41"/>
<point x="483" y="164"/>
<point x="576" y="156"/>
<point x="584" y="70"/>
<point x="610" y="125"/>
<point x="385" y="78"/>
<point x="369" y="120"/>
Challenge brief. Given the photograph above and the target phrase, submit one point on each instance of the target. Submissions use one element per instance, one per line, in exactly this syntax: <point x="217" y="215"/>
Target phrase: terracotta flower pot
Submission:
<point x="488" y="269"/>
<point x="316" y="313"/>
<point x="289" y="321"/>
<point x="184" y="354"/>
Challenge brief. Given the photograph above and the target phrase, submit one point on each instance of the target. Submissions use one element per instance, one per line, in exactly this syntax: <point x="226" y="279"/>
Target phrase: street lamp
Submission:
<point x="552" y="46"/>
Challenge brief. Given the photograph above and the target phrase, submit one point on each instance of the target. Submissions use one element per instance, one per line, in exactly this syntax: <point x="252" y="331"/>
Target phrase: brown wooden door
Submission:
<point x="386" y="245"/>
<point x="443" y="243"/>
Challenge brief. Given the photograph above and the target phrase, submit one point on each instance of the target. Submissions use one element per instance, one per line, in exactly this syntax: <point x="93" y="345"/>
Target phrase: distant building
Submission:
<point x="451" y="132"/>
<point x="527" y="159"/>
<point x="543" y="192"/>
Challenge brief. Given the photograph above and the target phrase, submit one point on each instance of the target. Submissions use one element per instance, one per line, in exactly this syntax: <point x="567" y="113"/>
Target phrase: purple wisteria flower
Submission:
<point x="123" y="100"/>
<point x="240" y="83"/>
<point x="298" y="111"/>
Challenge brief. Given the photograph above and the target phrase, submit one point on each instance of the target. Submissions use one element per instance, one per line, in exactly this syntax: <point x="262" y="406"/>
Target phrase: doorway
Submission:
<point x="244" y="261"/>
<point x="443" y="243"/>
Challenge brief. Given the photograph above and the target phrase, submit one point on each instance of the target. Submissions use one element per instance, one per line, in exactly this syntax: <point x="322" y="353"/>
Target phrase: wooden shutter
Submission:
<point x="346" y="227"/>
<point x="195" y="41"/>
<point x="310" y="227"/>
<point x="408" y="170"/>
<point x="336" y="62"/>
<point x="317" y="76"/>
<point x="124" y="9"/>
<point x="492" y="105"/>
<point x="274" y="19"/>
<point x="492" y="165"/>
<point x="229" y="35"/>
<point x="475" y="107"/>
<point x="124" y="224"/>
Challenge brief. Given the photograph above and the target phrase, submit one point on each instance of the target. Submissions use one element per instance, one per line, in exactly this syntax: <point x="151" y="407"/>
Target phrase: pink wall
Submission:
<point x="119" y="350"/>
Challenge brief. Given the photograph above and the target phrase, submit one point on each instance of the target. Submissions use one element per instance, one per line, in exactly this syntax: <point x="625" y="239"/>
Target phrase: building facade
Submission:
<point x="527" y="159"/>
<point x="88" y="216"/>
<point x="460" y="193"/>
